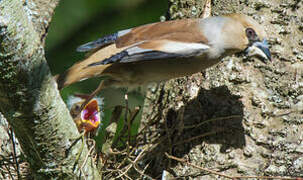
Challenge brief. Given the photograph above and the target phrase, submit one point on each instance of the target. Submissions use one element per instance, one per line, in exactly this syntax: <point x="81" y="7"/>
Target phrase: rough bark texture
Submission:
<point x="29" y="98"/>
<point x="262" y="132"/>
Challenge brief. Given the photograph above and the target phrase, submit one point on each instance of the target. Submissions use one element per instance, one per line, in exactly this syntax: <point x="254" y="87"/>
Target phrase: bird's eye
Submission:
<point x="251" y="34"/>
<point x="77" y="107"/>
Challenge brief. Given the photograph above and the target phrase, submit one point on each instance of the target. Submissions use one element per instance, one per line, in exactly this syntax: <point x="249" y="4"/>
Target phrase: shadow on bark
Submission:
<point x="213" y="117"/>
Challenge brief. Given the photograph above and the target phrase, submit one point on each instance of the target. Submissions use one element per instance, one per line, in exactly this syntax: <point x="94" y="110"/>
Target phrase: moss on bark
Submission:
<point x="30" y="100"/>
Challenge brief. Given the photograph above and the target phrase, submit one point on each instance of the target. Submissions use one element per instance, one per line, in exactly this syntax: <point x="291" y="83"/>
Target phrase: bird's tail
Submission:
<point x="81" y="70"/>
<point x="76" y="73"/>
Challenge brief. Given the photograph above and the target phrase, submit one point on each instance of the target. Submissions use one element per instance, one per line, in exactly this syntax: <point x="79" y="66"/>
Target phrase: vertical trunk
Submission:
<point x="255" y="108"/>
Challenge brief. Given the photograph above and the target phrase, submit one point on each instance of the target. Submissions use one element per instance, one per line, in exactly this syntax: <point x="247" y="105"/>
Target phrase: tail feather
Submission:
<point x="81" y="70"/>
<point x="78" y="72"/>
<point x="59" y="78"/>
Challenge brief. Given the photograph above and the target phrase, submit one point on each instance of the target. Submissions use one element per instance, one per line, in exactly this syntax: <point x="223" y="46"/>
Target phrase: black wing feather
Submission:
<point x="124" y="57"/>
<point x="101" y="42"/>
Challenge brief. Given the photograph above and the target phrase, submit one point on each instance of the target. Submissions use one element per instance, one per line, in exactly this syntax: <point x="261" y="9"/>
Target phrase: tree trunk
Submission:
<point x="243" y="116"/>
<point x="30" y="100"/>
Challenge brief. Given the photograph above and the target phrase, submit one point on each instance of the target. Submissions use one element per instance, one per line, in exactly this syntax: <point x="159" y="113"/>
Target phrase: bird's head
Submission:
<point x="242" y="33"/>
<point x="88" y="118"/>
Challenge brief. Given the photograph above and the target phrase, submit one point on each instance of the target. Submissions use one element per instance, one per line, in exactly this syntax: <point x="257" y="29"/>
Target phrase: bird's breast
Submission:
<point x="139" y="73"/>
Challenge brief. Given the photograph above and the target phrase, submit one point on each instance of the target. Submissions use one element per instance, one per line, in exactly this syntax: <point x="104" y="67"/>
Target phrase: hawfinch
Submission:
<point x="88" y="118"/>
<point x="165" y="50"/>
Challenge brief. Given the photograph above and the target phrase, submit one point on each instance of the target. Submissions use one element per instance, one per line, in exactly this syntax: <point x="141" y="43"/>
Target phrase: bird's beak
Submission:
<point x="260" y="49"/>
<point x="90" y="113"/>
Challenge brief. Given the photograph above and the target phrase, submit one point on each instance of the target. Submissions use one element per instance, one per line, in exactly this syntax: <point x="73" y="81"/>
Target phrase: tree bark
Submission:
<point x="29" y="97"/>
<point x="255" y="108"/>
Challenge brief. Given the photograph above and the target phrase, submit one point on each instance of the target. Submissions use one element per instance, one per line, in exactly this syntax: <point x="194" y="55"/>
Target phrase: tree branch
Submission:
<point x="29" y="97"/>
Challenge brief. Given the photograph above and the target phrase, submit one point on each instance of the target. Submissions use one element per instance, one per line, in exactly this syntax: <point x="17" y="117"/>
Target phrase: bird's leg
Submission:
<point x="99" y="88"/>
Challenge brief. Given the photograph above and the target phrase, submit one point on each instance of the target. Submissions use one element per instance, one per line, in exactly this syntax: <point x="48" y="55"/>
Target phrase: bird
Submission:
<point x="89" y="118"/>
<point x="165" y="50"/>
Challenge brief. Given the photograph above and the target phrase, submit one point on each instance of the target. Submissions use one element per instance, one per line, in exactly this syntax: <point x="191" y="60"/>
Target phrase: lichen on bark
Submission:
<point x="30" y="100"/>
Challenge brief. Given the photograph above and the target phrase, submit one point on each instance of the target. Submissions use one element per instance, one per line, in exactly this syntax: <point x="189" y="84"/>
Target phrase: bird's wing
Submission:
<point x="185" y="30"/>
<point x="99" y="43"/>
<point x="157" y="49"/>
<point x="163" y="40"/>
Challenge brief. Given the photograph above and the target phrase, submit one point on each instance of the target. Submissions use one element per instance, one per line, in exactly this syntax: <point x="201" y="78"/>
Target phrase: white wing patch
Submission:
<point x="137" y="50"/>
<point x="153" y="50"/>
<point x="182" y="47"/>
<point x="163" y="49"/>
<point x="123" y="32"/>
<point x="172" y="47"/>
